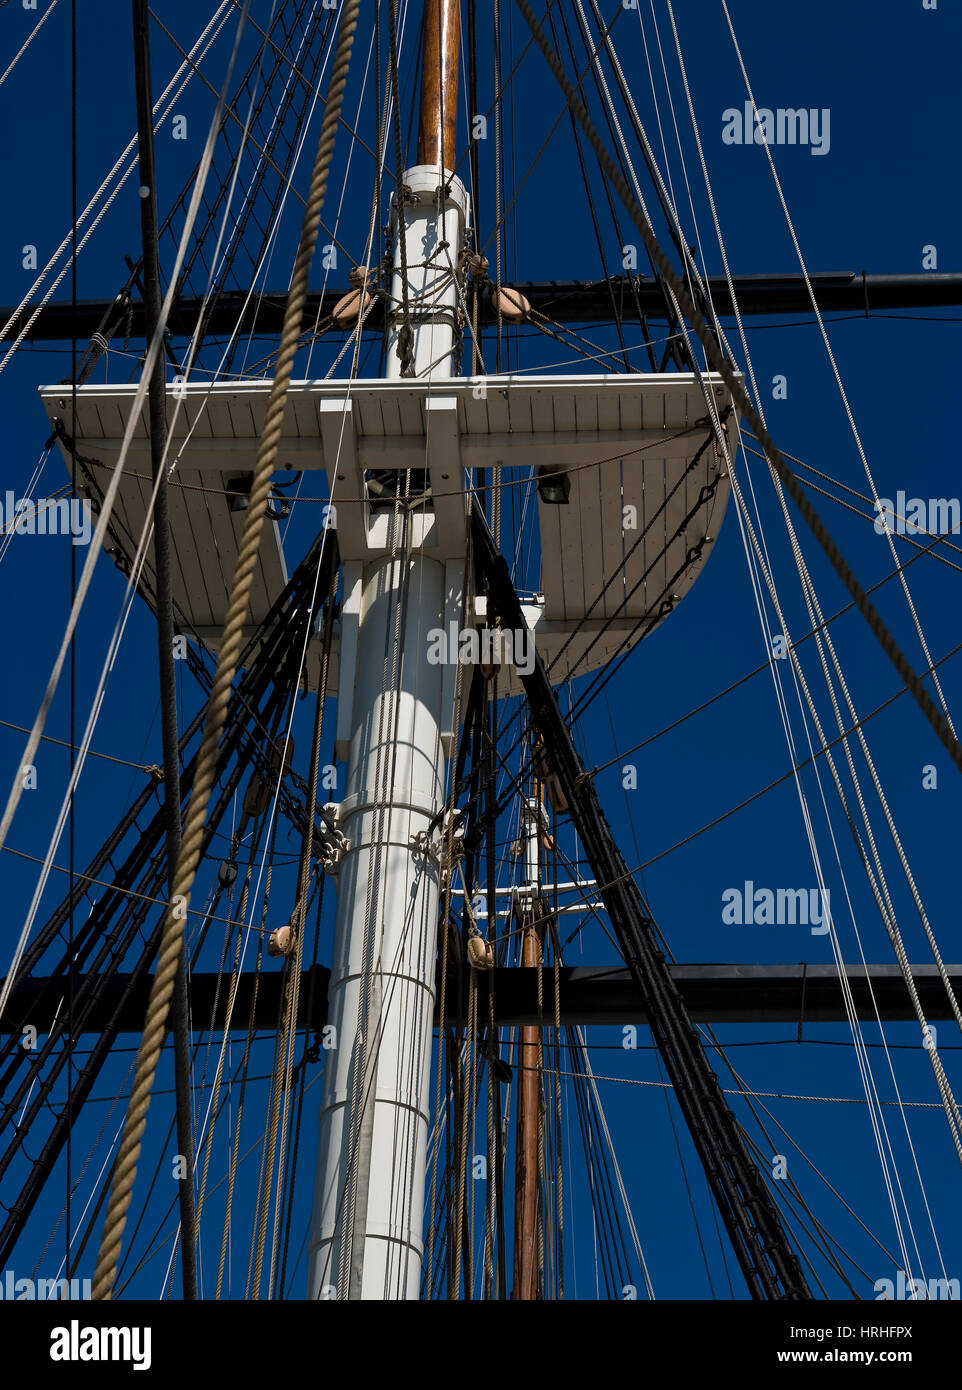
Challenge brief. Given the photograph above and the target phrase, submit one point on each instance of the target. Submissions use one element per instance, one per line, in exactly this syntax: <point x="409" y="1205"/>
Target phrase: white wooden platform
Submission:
<point x="205" y="533"/>
<point x="625" y="441"/>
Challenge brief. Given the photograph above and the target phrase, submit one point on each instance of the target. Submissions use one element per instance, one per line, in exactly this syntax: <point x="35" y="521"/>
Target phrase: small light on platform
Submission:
<point x="238" y="492"/>
<point x="554" y="488"/>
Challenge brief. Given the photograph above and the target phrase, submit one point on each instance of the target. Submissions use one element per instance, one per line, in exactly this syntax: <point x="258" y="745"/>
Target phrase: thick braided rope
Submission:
<point x="741" y="399"/>
<point x="172" y="939"/>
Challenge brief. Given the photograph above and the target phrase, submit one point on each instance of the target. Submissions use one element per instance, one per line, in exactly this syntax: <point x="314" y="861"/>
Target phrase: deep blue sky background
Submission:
<point x="887" y="188"/>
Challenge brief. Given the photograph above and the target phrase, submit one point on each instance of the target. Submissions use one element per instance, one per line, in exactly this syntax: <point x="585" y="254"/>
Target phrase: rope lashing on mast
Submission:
<point x="247" y="560"/>
<point x="718" y="363"/>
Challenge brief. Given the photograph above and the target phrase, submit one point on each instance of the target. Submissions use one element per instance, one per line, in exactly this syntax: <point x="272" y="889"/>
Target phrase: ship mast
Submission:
<point x="527" y="1201"/>
<point x="403" y="571"/>
<point x="393" y="452"/>
<point x="439" y="83"/>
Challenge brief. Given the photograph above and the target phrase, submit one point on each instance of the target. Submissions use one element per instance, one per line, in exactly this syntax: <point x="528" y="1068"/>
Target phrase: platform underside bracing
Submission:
<point x="642" y="515"/>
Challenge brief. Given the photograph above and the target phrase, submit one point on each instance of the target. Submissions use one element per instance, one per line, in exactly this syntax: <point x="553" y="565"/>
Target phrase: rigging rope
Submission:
<point x="282" y="1082"/>
<point x="818" y="623"/>
<point x="28" y="41"/>
<point x="837" y="375"/>
<point x="97" y="540"/>
<point x="744" y="404"/>
<point x="222" y="14"/>
<point x="162" y="989"/>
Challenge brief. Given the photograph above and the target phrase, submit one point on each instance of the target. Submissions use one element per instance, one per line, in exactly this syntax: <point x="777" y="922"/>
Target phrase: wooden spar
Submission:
<point x="441" y="43"/>
<point x="527" y="1188"/>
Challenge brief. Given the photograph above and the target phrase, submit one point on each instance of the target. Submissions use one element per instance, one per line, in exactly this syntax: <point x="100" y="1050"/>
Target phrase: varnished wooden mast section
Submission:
<point x="439" y="83"/>
<point x="527" y="1185"/>
<point x="528" y="1215"/>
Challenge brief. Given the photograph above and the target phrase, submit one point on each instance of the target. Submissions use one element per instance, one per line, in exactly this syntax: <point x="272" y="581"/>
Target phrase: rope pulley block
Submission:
<point x="227" y="873"/>
<point x="282" y="940"/>
<point x="356" y="301"/>
<point x="508" y="304"/>
<point x="480" y="953"/>
<point x="475" y="264"/>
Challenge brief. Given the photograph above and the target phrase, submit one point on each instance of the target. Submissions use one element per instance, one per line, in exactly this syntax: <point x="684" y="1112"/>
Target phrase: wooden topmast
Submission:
<point x="439" y="83"/>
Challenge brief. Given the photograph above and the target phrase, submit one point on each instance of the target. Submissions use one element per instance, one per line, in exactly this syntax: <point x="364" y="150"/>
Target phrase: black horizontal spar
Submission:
<point x="835" y="291"/>
<point x="588" y="994"/>
<point x="566" y="301"/>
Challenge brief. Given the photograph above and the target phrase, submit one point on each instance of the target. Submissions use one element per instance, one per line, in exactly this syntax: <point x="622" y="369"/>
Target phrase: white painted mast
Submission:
<point x="395" y="728"/>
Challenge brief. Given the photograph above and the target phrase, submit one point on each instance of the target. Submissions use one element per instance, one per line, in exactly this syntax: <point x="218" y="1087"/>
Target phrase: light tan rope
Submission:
<point x="173" y="934"/>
